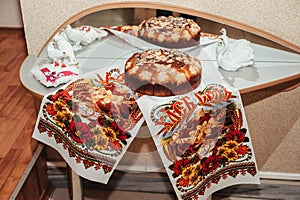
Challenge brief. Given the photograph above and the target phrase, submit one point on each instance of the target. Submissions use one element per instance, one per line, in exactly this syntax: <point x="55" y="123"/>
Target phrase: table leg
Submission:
<point x="37" y="103"/>
<point x="76" y="189"/>
<point x="75" y="185"/>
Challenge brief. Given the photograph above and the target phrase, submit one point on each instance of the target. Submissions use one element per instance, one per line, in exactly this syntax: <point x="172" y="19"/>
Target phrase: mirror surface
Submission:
<point x="119" y="39"/>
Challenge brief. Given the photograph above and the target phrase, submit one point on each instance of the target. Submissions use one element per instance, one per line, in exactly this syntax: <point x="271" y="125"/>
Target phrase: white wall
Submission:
<point x="10" y="14"/>
<point x="278" y="20"/>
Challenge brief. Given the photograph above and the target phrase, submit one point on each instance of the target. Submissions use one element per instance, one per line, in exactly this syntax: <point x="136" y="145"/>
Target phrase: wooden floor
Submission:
<point x="18" y="116"/>
<point x="149" y="186"/>
<point x="17" y="113"/>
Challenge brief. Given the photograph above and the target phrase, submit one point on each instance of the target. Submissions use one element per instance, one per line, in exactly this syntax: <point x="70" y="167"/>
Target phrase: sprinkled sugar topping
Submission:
<point x="170" y="23"/>
<point x="164" y="56"/>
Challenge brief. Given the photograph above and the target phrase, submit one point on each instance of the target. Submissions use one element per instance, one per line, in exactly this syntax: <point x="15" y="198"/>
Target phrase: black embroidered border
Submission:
<point x="200" y="189"/>
<point x="96" y="158"/>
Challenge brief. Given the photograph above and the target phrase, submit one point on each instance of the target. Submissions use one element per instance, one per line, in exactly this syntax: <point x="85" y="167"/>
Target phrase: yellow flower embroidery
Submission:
<point x="231" y="155"/>
<point x="101" y="142"/>
<point x="187" y="172"/>
<point x="231" y="145"/>
<point x="194" y="178"/>
<point x="221" y="151"/>
<point x="96" y="130"/>
<point x="59" y="106"/>
<point x="110" y="133"/>
<point x="68" y="116"/>
<point x="59" y="119"/>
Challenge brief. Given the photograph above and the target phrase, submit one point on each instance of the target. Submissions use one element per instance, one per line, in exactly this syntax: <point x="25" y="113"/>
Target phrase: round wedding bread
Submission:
<point x="170" y="32"/>
<point x="162" y="72"/>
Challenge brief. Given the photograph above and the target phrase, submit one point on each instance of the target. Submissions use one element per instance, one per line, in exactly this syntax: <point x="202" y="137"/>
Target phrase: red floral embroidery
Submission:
<point x="183" y="182"/>
<point x="179" y="166"/>
<point x="88" y="163"/>
<point x="236" y="135"/>
<point x="243" y="149"/>
<point x="50" y="109"/>
<point x="61" y="95"/>
<point x="72" y="121"/>
<point x="210" y="164"/>
<point x="79" y="132"/>
<point x="220" y="149"/>
<point x="106" y="169"/>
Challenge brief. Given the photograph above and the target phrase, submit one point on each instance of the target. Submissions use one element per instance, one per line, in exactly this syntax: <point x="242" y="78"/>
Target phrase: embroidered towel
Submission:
<point x="90" y="122"/>
<point x="202" y="139"/>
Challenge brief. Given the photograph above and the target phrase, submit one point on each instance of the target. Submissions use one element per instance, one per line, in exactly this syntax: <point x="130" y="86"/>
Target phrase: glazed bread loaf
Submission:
<point x="170" y="32"/>
<point x="162" y="72"/>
